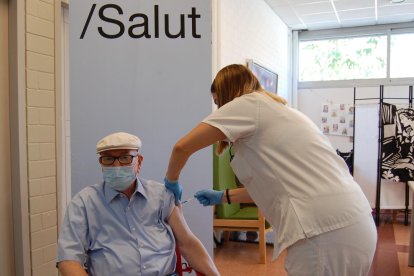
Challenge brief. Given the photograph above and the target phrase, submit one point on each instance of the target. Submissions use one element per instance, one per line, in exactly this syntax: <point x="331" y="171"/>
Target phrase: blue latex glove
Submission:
<point x="175" y="188"/>
<point x="209" y="197"/>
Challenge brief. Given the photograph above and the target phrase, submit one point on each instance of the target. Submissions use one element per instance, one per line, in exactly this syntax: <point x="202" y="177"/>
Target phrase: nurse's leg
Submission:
<point x="304" y="258"/>
<point x="344" y="252"/>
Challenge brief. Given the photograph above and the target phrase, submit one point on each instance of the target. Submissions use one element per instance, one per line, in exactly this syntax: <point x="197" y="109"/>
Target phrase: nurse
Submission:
<point x="290" y="170"/>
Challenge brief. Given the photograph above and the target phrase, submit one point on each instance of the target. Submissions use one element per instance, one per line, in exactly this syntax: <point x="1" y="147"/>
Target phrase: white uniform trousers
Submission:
<point x="343" y="252"/>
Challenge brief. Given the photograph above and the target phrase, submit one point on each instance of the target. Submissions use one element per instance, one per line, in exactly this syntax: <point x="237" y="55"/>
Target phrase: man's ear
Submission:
<point x="140" y="158"/>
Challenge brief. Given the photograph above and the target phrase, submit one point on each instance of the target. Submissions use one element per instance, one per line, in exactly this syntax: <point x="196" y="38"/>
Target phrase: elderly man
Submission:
<point x="126" y="225"/>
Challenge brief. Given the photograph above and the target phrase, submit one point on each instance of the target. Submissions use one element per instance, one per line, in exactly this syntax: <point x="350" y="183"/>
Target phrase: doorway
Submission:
<point x="65" y="185"/>
<point x="6" y="217"/>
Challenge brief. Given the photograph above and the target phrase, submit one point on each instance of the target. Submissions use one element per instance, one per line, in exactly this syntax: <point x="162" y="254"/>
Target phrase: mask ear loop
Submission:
<point x="135" y="163"/>
<point x="135" y="158"/>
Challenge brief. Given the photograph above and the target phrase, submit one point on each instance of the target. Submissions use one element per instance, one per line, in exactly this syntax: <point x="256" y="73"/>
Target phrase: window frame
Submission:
<point x="387" y="30"/>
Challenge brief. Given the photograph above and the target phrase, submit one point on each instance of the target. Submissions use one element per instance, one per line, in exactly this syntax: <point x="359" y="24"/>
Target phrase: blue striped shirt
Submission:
<point x="114" y="236"/>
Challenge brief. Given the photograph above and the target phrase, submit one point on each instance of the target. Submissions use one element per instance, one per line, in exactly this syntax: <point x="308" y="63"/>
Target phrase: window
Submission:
<point x="402" y="56"/>
<point x="343" y="58"/>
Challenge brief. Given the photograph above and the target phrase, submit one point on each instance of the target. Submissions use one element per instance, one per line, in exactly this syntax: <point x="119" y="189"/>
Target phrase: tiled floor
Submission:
<point x="240" y="258"/>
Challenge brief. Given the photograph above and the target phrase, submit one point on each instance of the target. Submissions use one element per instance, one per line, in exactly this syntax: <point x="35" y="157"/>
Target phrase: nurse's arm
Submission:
<point x="190" y="246"/>
<point x="239" y="195"/>
<point x="71" y="268"/>
<point x="201" y="136"/>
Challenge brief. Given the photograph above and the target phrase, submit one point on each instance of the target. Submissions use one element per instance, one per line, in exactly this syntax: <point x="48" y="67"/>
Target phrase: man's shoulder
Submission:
<point x="89" y="192"/>
<point x="154" y="187"/>
<point x="146" y="182"/>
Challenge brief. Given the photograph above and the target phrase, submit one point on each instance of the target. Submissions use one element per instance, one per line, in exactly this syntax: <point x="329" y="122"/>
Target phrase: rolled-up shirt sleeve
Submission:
<point x="168" y="205"/>
<point x="73" y="237"/>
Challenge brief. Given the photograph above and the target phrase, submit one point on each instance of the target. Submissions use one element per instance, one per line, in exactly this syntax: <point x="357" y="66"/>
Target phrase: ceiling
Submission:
<point x="328" y="14"/>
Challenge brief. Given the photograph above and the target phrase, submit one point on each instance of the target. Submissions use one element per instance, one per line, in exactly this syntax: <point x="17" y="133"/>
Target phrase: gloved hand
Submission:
<point x="209" y="197"/>
<point x="175" y="188"/>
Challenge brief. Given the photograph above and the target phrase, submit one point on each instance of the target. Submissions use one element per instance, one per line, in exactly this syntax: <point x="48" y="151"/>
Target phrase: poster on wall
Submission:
<point x="266" y="77"/>
<point x="337" y="119"/>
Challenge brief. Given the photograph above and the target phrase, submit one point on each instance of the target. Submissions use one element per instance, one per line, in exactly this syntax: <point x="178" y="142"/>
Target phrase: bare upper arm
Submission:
<point x="182" y="232"/>
<point x="201" y="136"/>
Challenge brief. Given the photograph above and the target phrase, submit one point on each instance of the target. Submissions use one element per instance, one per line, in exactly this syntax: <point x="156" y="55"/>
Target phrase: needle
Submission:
<point x="188" y="200"/>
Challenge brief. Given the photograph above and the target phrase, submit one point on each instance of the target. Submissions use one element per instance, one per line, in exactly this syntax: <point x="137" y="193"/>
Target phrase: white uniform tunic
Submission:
<point x="289" y="168"/>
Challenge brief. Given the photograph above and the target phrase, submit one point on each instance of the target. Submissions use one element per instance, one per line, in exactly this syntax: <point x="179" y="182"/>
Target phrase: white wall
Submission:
<point x="366" y="135"/>
<point x="311" y="100"/>
<point x="251" y="30"/>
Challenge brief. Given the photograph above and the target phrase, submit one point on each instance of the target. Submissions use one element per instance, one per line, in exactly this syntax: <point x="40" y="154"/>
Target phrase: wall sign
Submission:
<point x="142" y="67"/>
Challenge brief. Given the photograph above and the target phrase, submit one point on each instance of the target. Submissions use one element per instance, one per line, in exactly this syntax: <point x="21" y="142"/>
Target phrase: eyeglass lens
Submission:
<point x="123" y="159"/>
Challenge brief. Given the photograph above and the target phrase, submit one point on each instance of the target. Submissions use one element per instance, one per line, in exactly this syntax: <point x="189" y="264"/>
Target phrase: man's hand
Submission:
<point x="209" y="197"/>
<point x="71" y="268"/>
<point x="175" y="188"/>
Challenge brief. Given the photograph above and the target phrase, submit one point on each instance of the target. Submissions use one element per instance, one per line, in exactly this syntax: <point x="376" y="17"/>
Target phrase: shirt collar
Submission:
<point x="110" y="193"/>
<point x="140" y="188"/>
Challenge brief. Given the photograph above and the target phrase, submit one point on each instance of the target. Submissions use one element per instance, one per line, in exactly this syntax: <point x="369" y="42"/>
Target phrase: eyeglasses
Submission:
<point x="122" y="159"/>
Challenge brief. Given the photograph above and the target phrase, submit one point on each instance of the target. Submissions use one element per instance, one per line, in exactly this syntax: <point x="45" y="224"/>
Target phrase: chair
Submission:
<point x="234" y="217"/>
<point x="181" y="267"/>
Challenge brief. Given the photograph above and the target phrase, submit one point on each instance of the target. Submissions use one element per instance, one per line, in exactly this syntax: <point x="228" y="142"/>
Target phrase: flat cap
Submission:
<point x="118" y="140"/>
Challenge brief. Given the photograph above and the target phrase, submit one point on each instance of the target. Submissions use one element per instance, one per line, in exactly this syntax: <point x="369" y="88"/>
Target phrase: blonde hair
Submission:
<point x="234" y="81"/>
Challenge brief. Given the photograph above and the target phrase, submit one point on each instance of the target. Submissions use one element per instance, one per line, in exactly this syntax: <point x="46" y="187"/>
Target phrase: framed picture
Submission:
<point x="267" y="78"/>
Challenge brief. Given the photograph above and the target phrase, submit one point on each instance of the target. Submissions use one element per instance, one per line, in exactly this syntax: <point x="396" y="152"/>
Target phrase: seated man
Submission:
<point x="126" y="225"/>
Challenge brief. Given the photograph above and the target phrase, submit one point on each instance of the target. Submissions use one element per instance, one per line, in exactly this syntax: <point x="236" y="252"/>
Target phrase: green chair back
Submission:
<point x="223" y="179"/>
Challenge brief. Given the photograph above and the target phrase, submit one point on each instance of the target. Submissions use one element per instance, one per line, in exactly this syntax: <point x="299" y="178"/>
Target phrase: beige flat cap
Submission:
<point x="118" y="140"/>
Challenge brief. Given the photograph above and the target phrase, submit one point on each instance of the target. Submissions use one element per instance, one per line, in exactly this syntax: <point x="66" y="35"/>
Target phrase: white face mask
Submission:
<point x="119" y="178"/>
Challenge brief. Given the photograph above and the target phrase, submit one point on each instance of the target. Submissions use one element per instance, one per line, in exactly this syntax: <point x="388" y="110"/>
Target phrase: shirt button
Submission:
<point x="145" y="267"/>
<point x="133" y="228"/>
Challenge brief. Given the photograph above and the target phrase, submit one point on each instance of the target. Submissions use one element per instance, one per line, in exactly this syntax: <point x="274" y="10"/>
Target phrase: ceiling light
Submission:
<point x="396" y="1"/>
